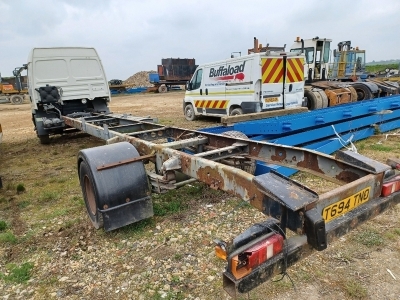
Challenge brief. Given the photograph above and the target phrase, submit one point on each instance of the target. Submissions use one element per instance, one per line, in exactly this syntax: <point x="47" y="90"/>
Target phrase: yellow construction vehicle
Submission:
<point x="13" y="89"/>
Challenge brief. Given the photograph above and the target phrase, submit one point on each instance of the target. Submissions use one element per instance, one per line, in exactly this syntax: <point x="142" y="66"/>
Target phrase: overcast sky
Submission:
<point x="132" y="36"/>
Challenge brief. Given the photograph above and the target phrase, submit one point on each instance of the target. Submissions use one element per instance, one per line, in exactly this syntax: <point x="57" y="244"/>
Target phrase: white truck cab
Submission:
<point x="63" y="81"/>
<point x="317" y="52"/>
<point x="247" y="84"/>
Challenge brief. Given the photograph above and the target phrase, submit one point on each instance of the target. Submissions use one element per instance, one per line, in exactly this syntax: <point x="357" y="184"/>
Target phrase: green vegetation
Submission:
<point x="7" y="238"/>
<point x="175" y="201"/>
<point x="48" y="196"/>
<point x="20" y="188"/>
<point x="23" y="204"/>
<point x="383" y="148"/>
<point x="3" y="225"/>
<point x="17" y="274"/>
<point x="355" y="290"/>
<point x="369" y="238"/>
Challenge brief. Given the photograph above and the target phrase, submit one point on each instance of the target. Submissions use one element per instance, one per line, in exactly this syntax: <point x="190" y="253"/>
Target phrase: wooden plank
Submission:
<point x="261" y="115"/>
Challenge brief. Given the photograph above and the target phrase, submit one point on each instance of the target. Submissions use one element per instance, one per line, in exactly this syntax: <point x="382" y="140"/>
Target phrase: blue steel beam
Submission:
<point x="316" y="118"/>
<point x="353" y="121"/>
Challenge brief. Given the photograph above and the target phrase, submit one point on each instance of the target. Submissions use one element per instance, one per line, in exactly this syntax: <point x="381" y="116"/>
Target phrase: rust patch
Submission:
<point x="294" y="196"/>
<point x="310" y="162"/>
<point x="347" y="176"/>
<point x="280" y="155"/>
<point x="211" y="177"/>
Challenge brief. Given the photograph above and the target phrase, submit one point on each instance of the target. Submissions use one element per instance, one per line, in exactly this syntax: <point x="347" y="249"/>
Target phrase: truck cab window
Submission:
<point x="309" y="53"/>
<point x="197" y="79"/>
<point x="327" y="49"/>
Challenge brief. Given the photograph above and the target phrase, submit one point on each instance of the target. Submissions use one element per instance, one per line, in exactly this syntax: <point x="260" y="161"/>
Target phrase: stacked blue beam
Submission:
<point x="325" y="130"/>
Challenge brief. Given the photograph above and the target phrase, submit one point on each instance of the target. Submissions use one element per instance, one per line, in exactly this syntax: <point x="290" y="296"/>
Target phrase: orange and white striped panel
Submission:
<point x="295" y="70"/>
<point x="272" y="70"/>
<point x="217" y="104"/>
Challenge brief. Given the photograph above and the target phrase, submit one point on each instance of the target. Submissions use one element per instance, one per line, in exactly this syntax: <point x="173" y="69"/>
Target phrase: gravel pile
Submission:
<point x="140" y="79"/>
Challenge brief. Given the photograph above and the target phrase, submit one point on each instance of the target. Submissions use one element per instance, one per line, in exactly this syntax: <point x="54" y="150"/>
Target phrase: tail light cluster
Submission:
<point x="250" y="258"/>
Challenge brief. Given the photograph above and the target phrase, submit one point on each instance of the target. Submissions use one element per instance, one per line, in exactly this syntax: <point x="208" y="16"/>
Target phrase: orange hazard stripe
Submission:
<point x="272" y="70"/>
<point x="219" y="104"/>
<point x="295" y="70"/>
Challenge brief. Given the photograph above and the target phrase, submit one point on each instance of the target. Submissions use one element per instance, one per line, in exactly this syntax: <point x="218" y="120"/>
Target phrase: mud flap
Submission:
<point x="115" y="185"/>
<point x="119" y="216"/>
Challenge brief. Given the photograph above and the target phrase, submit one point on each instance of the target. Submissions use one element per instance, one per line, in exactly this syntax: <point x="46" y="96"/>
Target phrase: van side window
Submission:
<point x="197" y="79"/>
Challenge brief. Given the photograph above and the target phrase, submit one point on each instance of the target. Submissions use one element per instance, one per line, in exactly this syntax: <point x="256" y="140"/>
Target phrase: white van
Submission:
<point x="247" y="84"/>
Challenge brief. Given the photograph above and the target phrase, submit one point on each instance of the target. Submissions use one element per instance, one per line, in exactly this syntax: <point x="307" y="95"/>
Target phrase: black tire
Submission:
<point x="363" y="92"/>
<point x="189" y="112"/>
<point x="236" y="112"/>
<point x="44" y="139"/>
<point x="89" y="194"/>
<point x="313" y="101"/>
<point x="16" y="99"/>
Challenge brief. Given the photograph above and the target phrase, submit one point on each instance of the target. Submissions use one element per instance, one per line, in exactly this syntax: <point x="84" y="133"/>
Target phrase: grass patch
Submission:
<point x="178" y="256"/>
<point x="20" y="188"/>
<point x="8" y="238"/>
<point x="369" y="238"/>
<point x="23" y="204"/>
<point x="382" y="148"/>
<point x="177" y="201"/>
<point x="3" y="225"/>
<point x="18" y="274"/>
<point x="355" y="290"/>
<point x="57" y="213"/>
<point x="397" y="231"/>
<point x="49" y="196"/>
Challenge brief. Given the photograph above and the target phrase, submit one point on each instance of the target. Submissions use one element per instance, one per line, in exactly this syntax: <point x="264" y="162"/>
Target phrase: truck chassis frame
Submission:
<point x="214" y="160"/>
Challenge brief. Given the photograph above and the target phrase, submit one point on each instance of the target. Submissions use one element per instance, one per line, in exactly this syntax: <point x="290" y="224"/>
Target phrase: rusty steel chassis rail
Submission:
<point x="297" y="208"/>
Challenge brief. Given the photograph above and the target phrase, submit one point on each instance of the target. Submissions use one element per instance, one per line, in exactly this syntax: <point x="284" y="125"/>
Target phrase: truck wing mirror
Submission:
<point x="188" y="85"/>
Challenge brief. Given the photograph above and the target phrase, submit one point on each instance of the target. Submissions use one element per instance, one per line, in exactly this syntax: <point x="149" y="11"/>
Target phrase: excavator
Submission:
<point x="12" y="90"/>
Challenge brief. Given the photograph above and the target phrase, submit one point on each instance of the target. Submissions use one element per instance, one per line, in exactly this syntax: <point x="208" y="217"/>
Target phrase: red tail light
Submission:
<point x="390" y="187"/>
<point x="243" y="263"/>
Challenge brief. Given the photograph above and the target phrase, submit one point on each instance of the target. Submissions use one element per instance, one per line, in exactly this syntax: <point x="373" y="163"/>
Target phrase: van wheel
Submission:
<point x="236" y="112"/>
<point x="189" y="112"/>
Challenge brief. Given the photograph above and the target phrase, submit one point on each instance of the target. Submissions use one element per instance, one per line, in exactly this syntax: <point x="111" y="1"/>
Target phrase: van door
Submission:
<point x="194" y="94"/>
<point x="272" y="83"/>
<point x="215" y="102"/>
<point x="239" y="87"/>
<point x="294" y="82"/>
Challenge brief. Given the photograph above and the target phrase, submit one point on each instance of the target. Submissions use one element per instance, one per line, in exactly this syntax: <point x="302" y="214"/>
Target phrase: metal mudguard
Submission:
<point x="121" y="187"/>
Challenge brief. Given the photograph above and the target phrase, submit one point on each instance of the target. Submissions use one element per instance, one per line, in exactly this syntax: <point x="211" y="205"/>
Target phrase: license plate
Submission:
<point x="343" y="206"/>
<point x="271" y="99"/>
